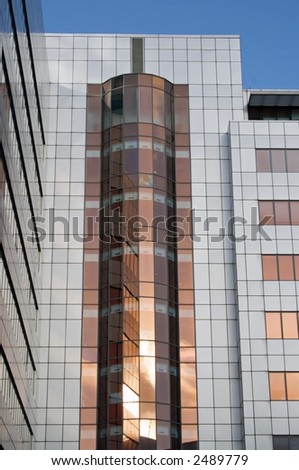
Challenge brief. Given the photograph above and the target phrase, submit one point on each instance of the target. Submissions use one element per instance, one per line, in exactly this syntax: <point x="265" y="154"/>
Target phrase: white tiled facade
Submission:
<point x="211" y="67"/>
<point x="258" y="356"/>
<point x="234" y="356"/>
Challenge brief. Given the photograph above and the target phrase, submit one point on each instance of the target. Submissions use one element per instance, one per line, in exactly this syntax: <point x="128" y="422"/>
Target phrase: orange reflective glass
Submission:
<point x="277" y="386"/>
<point x="286" y="268"/>
<point x="273" y="325"/>
<point x="292" y="379"/>
<point x="270" y="272"/>
<point x="289" y="325"/>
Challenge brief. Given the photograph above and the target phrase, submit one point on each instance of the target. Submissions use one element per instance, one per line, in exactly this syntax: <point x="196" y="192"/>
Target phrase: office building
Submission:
<point x="22" y="144"/>
<point x="168" y="312"/>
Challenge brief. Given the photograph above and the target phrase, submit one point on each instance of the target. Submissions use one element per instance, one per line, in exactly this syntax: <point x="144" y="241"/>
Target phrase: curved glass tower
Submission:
<point x="146" y="383"/>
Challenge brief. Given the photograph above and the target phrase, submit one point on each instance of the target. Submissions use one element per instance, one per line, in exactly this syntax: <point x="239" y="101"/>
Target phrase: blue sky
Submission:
<point x="268" y="28"/>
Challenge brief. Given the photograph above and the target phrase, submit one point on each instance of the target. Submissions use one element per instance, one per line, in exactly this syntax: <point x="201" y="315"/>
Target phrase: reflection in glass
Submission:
<point x="263" y="161"/>
<point x="270" y="272"/>
<point x="278" y="161"/>
<point x="277" y="386"/>
<point x="143" y="395"/>
<point x="289" y="325"/>
<point x="286" y="268"/>
<point x="273" y="325"/>
<point x="292" y="379"/>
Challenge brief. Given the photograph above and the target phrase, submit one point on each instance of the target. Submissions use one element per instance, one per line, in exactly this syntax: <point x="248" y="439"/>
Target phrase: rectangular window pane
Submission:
<point x="273" y="325"/>
<point x="282" y="213"/>
<point x="295" y="212"/>
<point x="280" y="442"/>
<point x="145" y="104"/>
<point x="289" y="325"/>
<point x="158" y="104"/>
<point x="278" y="161"/>
<point x="181" y="115"/>
<point x="130" y="99"/>
<point x="263" y="161"/>
<point x="277" y="386"/>
<point x="266" y="210"/>
<point x="270" y="268"/>
<point x="286" y="268"/>
<point x="293" y="161"/>
<point x="294" y="443"/>
<point x="292" y="385"/>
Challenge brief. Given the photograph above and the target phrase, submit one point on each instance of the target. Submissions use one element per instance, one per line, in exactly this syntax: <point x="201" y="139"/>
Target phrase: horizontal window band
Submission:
<point x="19" y="146"/>
<point x="7" y="178"/>
<point x="33" y="71"/>
<point x="2" y="353"/>
<point x="13" y="292"/>
<point x="16" y="40"/>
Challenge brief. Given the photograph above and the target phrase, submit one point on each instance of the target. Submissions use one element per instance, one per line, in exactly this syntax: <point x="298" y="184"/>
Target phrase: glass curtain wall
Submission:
<point x="146" y="378"/>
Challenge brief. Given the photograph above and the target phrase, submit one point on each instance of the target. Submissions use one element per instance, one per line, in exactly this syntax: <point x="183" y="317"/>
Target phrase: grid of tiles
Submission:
<point x="211" y="67"/>
<point x="261" y="353"/>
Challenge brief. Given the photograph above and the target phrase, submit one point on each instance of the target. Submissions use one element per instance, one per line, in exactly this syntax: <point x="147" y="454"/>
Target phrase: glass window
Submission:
<point x="188" y="385"/>
<point x="130" y="100"/>
<point x="281" y="442"/>
<point x="292" y="385"/>
<point x="282" y="213"/>
<point x="147" y="319"/>
<point x="289" y="325"/>
<point x="294" y="440"/>
<point x="293" y="161"/>
<point x="163" y="412"/>
<point x="185" y="275"/>
<point x="131" y="160"/>
<point x="146" y="180"/>
<point x="181" y="115"/>
<point x="273" y="325"/>
<point x="162" y="327"/>
<point x="277" y="386"/>
<point x="187" y="337"/>
<point x="266" y="210"/>
<point x="270" y="268"/>
<point x="163" y="384"/>
<point x="145" y="103"/>
<point x="263" y="161"/>
<point x="158" y="107"/>
<point x="146" y="262"/>
<point x="189" y="415"/>
<point x="94" y="114"/>
<point x="130" y="130"/>
<point x="296" y="268"/>
<point x="295" y="212"/>
<point x="91" y="275"/>
<point x="89" y="385"/>
<point x="278" y="161"/>
<point x="147" y="379"/>
<point x="88" y="416"/>
<point x="147" y="410"/>
<point x="286" y="268"/>
<point x="131" y="79"/>
<point x="146" y="206"/>
<point x="117" y="101"/>
<point x="159" y="164"/>
<point x="189" y="434"/>
<point x="187" y="354"/>
<point x="158" y="83"/>
<point x="182" y="170"/>
<point x="145" y="80"/>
